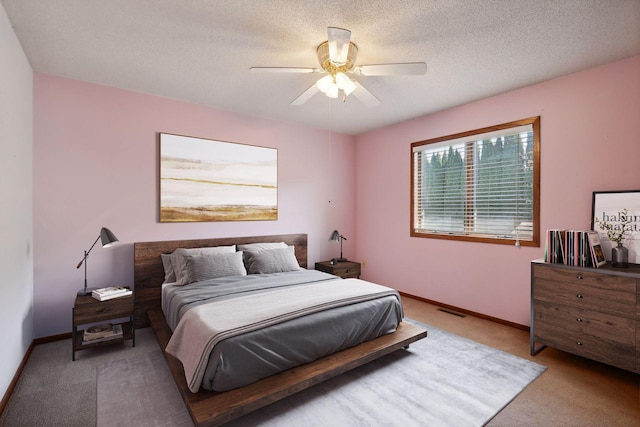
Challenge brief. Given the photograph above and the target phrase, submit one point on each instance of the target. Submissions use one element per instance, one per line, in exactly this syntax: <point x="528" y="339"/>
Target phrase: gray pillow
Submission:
<point x="271" y="261"/>
<point x="210" y="266"/>
<point x="256" y="247"/>
<point x="169" y="274"/>
<point x="179" y="266"/>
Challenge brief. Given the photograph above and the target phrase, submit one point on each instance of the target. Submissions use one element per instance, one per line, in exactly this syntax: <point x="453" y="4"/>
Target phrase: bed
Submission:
<point x="231" y="395"/>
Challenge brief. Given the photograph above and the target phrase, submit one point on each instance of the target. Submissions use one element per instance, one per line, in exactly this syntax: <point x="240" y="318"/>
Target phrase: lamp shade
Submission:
<point x="107" y="237"/>
<point x="325" y="83"/>
<point x="337" y="237"/>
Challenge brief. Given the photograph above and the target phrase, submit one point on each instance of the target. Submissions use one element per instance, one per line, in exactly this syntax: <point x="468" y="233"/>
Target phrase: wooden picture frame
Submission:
<point x="208" y="180"/>
<point x="608" y="206"/>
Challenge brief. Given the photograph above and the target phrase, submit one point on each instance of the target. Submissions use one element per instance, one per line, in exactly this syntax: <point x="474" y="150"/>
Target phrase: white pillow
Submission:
<point x="271" y="261"/>
<point x="210" y="266"/>
<point x="179" y="266"/>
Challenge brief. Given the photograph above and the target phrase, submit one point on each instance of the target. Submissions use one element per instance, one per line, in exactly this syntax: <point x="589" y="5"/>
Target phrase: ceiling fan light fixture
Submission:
<point x="341" y="57"/>
<point x="328" y="65"/>
<point x="341" y="80"/>
<point x="339" y="39"/>
<point x="345" y="83"/>
<point x="337" y="58"/>
<point x="325" y="83"/>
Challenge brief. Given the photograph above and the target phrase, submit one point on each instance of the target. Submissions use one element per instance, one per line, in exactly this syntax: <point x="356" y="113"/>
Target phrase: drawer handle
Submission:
<point x="104" y="310"/>
<point x="579" y="296"/>
<point x="579" y="343"/>
<point x="579" y="276"/>
<point x="348" y="271"/>
<point x="579" y="319"/>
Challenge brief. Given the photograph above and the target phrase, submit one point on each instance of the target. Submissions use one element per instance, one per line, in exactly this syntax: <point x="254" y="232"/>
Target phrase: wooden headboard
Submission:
<point x="148" y="272"/>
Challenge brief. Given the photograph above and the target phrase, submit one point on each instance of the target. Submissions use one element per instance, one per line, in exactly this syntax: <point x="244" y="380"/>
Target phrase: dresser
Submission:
<point x="590" y="312"/>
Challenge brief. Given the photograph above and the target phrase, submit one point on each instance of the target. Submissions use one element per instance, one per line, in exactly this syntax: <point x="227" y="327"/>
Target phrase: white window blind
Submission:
<point x="479" y="185"/>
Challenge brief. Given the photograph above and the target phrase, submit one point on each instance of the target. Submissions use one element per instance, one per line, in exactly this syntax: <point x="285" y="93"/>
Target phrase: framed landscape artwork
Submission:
<point x="609" y="206"/>
<point x="208" y="180"/>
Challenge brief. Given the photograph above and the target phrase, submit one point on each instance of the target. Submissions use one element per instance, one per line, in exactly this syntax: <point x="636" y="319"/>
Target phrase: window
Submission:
<point x="482" y="185"/>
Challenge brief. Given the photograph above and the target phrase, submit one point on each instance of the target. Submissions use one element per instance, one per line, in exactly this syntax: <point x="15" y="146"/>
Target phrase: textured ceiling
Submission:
<point x="201" y="51"/>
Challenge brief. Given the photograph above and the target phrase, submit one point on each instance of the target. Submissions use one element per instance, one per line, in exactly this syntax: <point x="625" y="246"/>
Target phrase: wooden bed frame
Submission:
<point x="208" y="408"/>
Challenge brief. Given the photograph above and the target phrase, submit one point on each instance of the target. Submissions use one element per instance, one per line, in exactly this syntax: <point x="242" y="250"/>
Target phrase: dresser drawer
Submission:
<point x="559" y="318"/>
<point x="592" y="347"/>
<point x="611" y="301"/>
<point x="584" y="278"/>
<point x="96" y="311"/>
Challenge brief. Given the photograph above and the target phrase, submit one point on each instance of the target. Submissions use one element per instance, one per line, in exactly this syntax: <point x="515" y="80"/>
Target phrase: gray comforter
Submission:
<point x="230" y="332"/>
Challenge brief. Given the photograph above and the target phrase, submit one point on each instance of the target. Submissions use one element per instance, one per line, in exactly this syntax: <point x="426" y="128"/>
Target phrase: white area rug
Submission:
<point x="442" y="380"/>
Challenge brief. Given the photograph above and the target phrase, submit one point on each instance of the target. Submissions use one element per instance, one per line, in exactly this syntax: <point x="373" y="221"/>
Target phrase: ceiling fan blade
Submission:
<point x="366" y="97"/>
<point x="306" y="95"/>
<point x="284" y="70"/>
<point x="338" y="45"/>
<point x="401" y="69"/>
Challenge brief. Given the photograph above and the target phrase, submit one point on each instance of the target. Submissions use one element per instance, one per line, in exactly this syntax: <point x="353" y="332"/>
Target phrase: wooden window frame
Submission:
<point x="535" y="242"/>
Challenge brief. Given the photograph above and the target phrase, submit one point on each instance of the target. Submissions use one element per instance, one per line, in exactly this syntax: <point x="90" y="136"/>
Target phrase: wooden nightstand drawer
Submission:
<point x="347" y="269"/>
<point x="90" y="310"/>
<point x="344" y="269"/>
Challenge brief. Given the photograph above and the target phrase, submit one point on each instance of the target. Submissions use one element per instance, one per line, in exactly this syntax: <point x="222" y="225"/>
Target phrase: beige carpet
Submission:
<point x="443" y="380"/>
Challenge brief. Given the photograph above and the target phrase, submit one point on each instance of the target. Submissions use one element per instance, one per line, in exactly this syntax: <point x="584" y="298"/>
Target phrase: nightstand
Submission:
<point x="344" y="269"/>
<point x="88" y="310"/>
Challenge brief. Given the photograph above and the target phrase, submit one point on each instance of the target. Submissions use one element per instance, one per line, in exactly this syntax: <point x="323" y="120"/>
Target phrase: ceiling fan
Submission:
<point x="337" y="57"/>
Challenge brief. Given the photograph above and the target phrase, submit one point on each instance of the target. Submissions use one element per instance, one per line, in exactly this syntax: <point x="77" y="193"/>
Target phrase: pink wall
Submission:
<point x="590" y="141"/>
<point x="96" y="164"/>
<point x="96" y="160"/>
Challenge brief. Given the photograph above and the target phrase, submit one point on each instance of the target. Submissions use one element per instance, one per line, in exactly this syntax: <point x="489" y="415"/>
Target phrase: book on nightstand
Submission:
<point x="104" y="294"/>
<point x="100" y="333"/>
